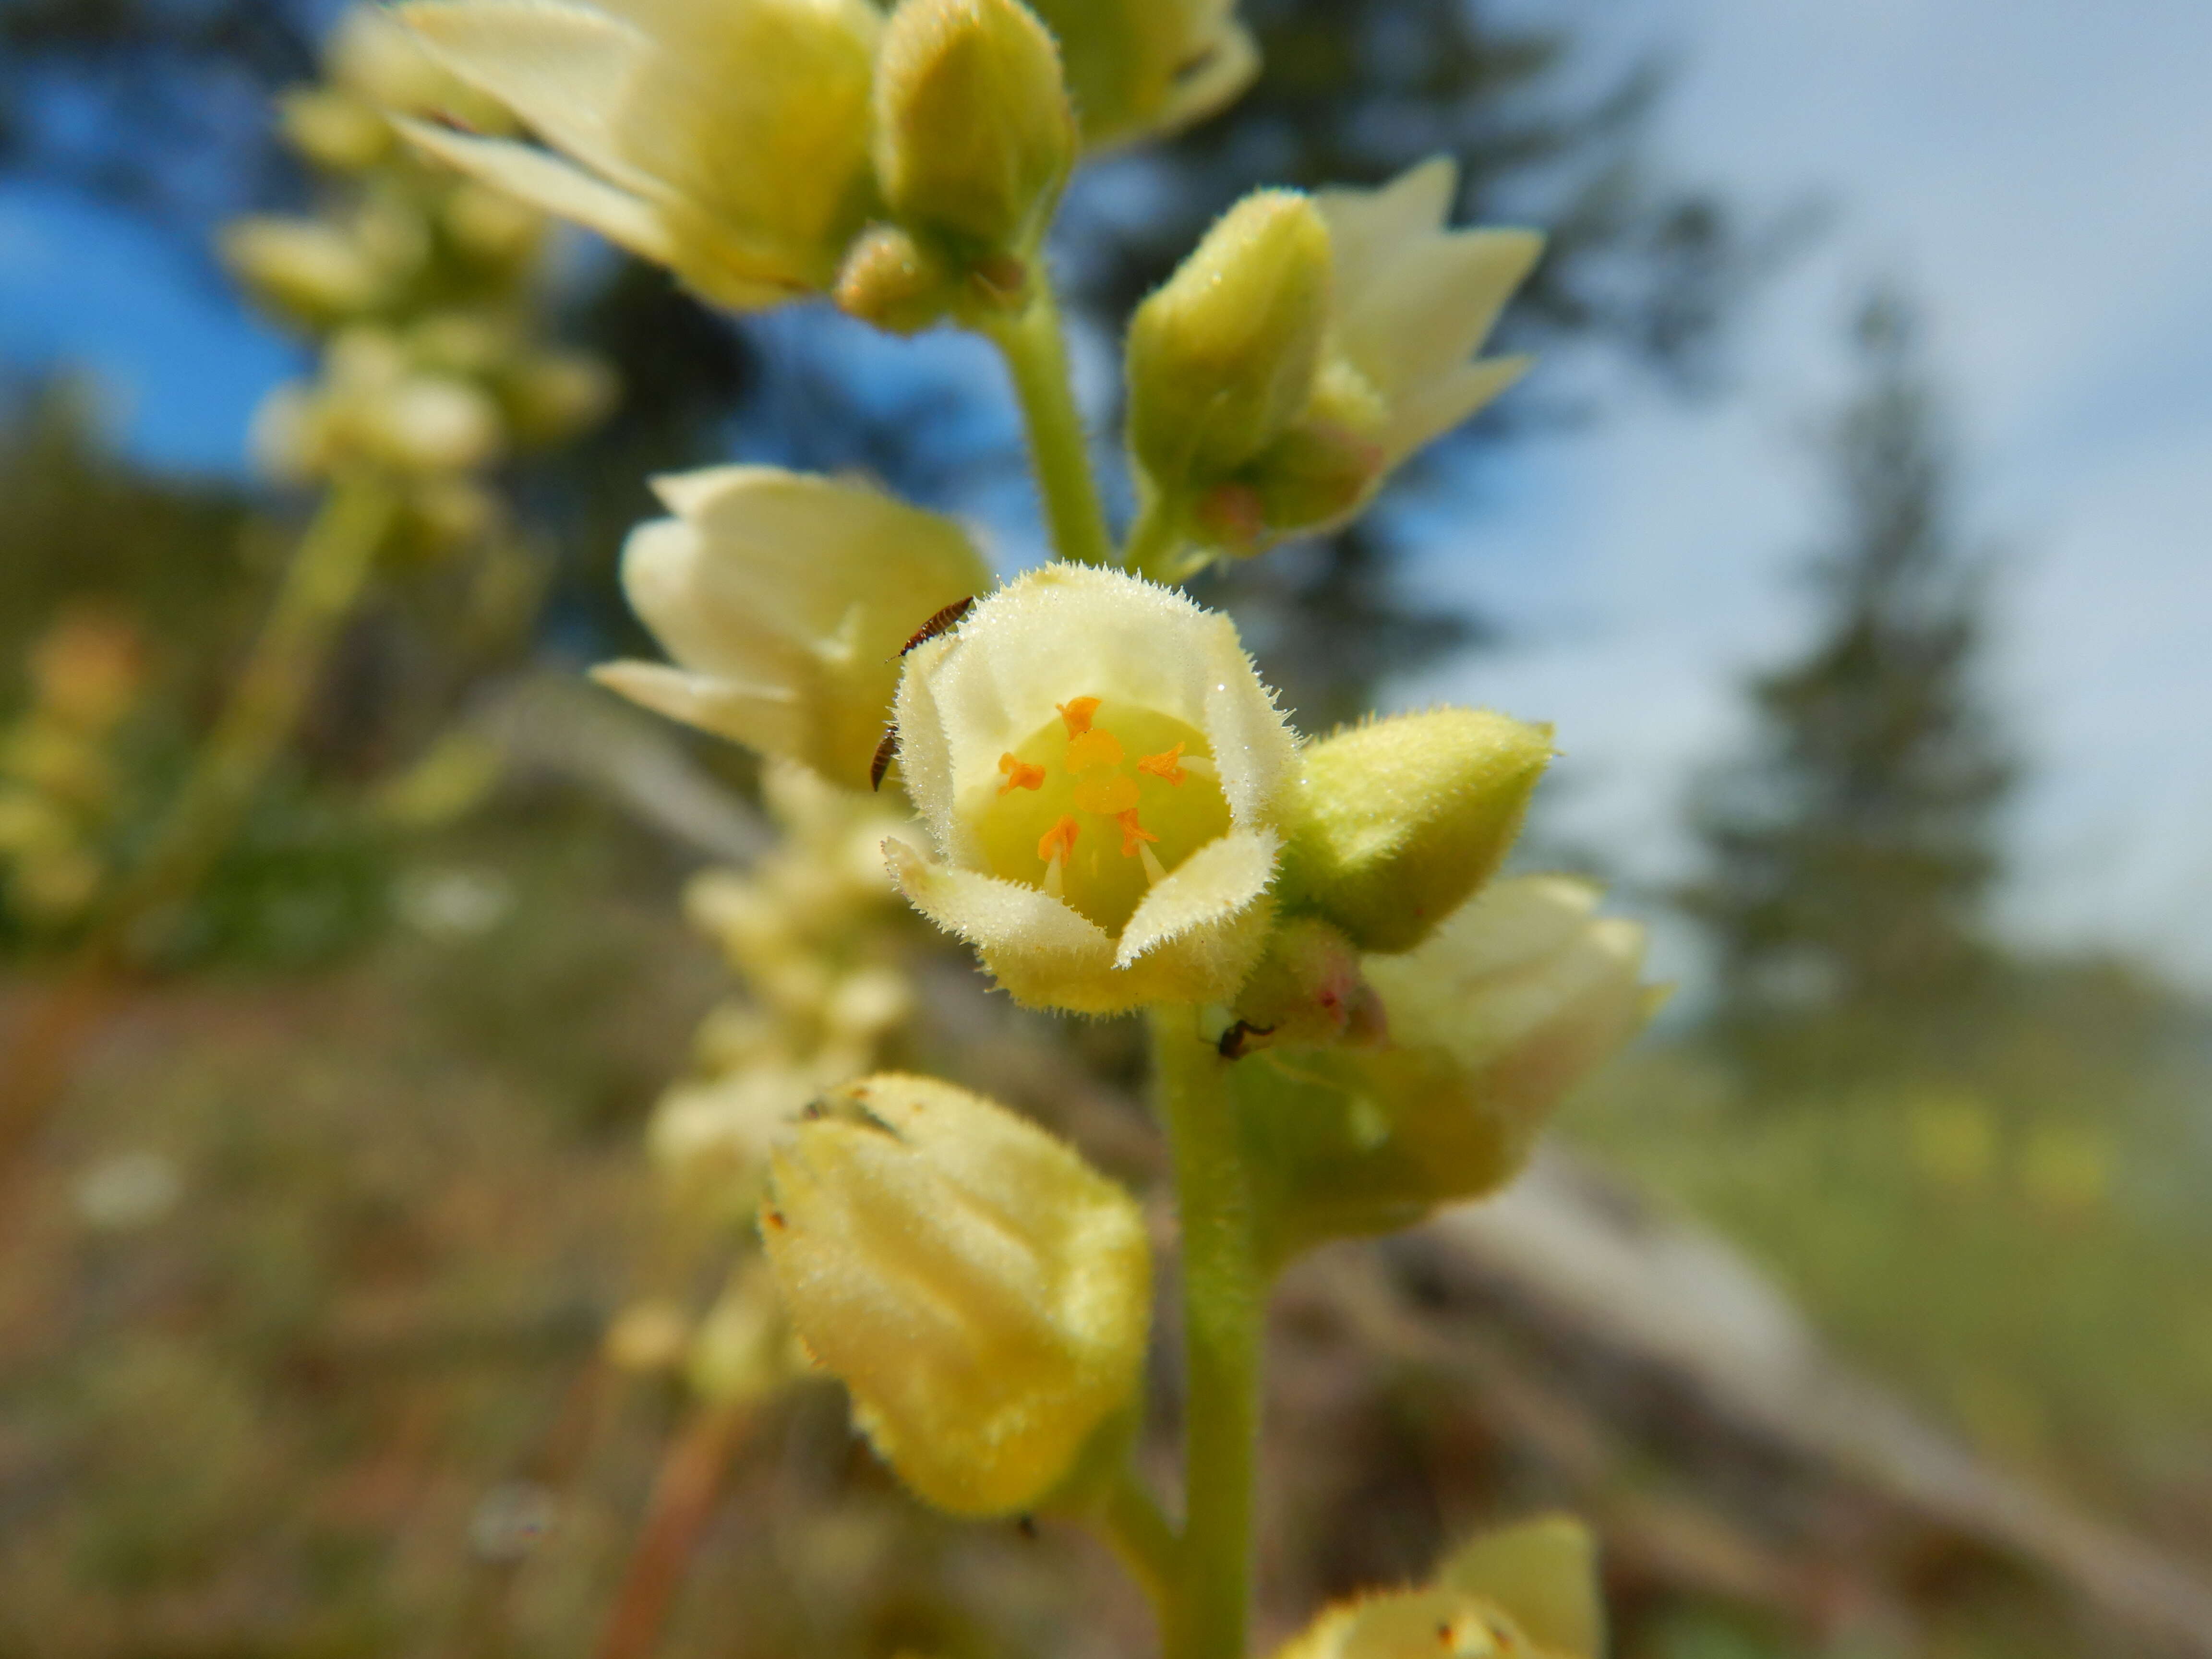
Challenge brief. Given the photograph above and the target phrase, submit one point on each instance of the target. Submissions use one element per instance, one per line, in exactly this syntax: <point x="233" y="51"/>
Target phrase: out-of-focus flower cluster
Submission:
<point x="420" y="287"/>
<point x="768" y="149"/>
<point x="818" y="941"/>
<point x="1354" y="1022"/>
<point x="60" y="784"/>
<point x="818" y="938"/>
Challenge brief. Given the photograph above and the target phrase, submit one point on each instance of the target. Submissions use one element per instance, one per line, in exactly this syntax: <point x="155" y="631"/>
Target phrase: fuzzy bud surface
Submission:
<point x="1398" y="821"/>
<point x="973" y="133"/>
<point x="983" y="1292"/>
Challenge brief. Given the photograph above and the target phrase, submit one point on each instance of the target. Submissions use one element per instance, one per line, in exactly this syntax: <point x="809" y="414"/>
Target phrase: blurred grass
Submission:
<point x="2022" y="1246"/>
<point x="299" y="1304"/>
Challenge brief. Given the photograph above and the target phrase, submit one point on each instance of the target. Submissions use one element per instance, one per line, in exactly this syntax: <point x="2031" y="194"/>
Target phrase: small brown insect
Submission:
<point x="941" y="623"/>
<point x="886" y="752"/>
<point x="1236" y="1041"/>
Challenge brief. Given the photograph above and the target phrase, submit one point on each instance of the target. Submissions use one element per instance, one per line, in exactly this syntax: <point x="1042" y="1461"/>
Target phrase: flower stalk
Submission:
<point x="1037" y="358"/>
<point x="1224" y="1302"/>
<point x="329" y="571"/>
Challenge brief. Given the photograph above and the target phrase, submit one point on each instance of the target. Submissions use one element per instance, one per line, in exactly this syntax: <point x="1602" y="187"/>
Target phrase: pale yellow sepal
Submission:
<point x="728" y="139"/>
<point x="1526" y="991"/>
<point x="1168" y="807"/>
<point x="1395" y="822"/>
<point x="1195" y="937"/>
<point x="1144" y="68"/>
<point x="784" y="599"/>
<point x="1544" y="1572"/>
<point x="1525" y="1592"/>
<point x="1415" y="300"/>
<point x="1483" y="1030"/>
<point x="1405" y="304"/>
<point x="983" y="1293"/>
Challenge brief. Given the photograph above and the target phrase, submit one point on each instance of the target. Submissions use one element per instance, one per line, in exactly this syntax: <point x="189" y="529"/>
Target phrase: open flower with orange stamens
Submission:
<point x="1101" y="773"/>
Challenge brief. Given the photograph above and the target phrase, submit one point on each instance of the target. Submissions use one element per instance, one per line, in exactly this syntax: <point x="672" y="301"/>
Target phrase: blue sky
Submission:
<point x="2037" y="174"/>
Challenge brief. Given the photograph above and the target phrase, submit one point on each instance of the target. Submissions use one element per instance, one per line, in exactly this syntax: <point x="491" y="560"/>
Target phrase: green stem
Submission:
<point x="1036" y="357"/>
<point x="1155" y="549"/>
<point x="1224" y="1299"/>
<point x="1141" y="1536"/>
<point x="321" y="587"/>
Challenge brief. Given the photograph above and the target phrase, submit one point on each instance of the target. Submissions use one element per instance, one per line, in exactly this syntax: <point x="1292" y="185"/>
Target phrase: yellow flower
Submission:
<point x="983" y="1292"/>
<point x="1138" y="68"/>
<point x="1099" y="770"/>
<point x="1525" y="989"/>
<point x="1525" y="1592"/>
<point x="1415" y="300"/>
<point x="785" y="600"/>
<point x="1399" y="304"/>
<point x="1483" y="1030"/>
<point x="725" y="139"/>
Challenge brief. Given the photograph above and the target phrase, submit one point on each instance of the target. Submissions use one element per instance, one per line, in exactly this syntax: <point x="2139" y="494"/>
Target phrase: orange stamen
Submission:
<point x="1167" y="768"/>
<point x="1059" y="842"/>
<point x="1132" y="833"/>
<point x="1077" y="712"/>
<point x="1020" y="775"/>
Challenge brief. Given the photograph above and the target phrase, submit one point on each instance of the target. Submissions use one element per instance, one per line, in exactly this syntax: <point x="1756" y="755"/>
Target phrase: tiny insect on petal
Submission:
<point x="943" y="622"/>
<point x="886" y="752"/>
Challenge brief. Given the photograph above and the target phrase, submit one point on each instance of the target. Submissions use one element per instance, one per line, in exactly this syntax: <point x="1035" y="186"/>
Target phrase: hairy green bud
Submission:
<point x="1397" y="822"/>
<point x="1222" y="359"/>
<point x="975" y="135"/>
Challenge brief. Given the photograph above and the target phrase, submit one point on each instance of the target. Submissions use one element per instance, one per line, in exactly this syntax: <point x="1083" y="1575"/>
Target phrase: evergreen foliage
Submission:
<point x="1851" y="853"/>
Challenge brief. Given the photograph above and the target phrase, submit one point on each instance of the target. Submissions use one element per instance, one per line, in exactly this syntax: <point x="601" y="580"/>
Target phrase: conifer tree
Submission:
<point x="1850" y="854"/>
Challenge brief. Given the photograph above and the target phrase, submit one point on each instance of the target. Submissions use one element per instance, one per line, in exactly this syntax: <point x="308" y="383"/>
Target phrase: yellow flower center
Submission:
<point x="1097" y="805"/>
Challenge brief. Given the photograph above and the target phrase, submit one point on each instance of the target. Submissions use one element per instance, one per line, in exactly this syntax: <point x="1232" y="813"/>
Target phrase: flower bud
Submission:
<point x="974" y="132"/>
<point x="1141" y="67"/>
<point x="1222" y="359"/>
<point x="1308" y="991"/>
<point x="892" y="280"/>
<point x="1396" y="822"/>
<point x="554" y="395"/>
<point x="334" y="129"/>
<point x="982" y="1291"/>
<point x="312" y="272"/>
<point x="436" y="423"/>
<point x="742" y="1349"/>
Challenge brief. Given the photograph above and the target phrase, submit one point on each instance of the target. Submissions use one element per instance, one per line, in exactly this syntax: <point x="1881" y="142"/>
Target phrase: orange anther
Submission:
<point x="1132" y="833"/>
<point x="1167" y="768"/>
<point x="1095" y="749"/>
<point x="1059" y="842"/>
<point x="1020" y="775"/>
<point x="1077" y="712"/>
